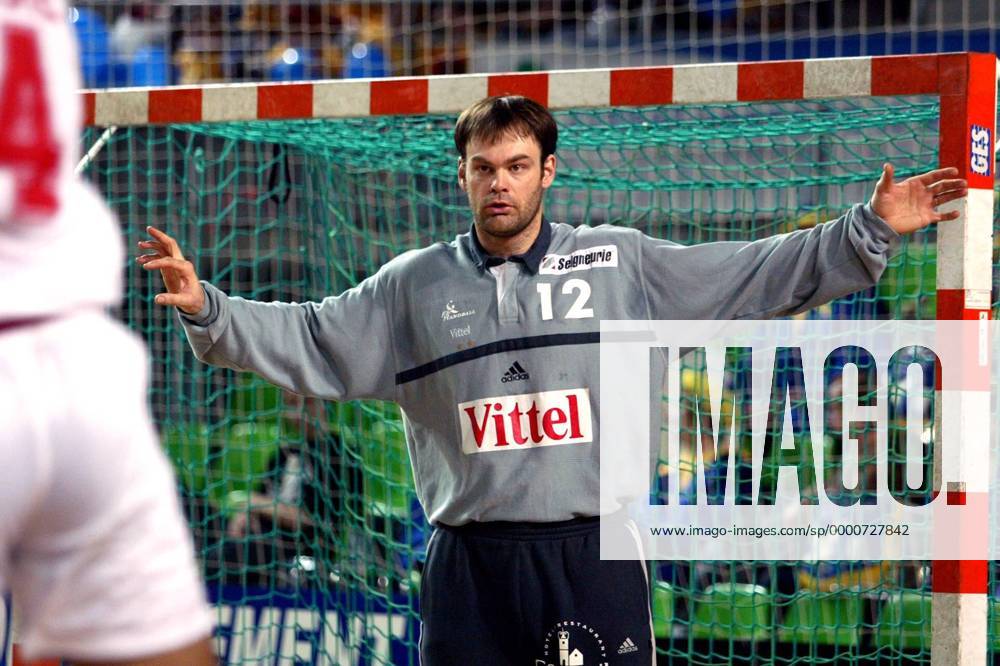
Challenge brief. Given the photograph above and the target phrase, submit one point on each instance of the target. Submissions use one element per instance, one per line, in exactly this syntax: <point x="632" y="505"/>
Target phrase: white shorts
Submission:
<point x="92" y="541"/>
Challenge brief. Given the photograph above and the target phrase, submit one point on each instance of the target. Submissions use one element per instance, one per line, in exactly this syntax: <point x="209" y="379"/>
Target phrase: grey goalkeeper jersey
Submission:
<point x="495" y="363"/>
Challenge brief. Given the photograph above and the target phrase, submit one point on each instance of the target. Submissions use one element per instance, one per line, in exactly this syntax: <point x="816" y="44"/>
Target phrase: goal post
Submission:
<point x="967" y="89"/>
<point x="297" y="191"/>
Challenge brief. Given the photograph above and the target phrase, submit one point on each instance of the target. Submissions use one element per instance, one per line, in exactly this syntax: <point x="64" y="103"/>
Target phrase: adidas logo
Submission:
<point x="515" y="373"/>
<point x="628" y="646"/>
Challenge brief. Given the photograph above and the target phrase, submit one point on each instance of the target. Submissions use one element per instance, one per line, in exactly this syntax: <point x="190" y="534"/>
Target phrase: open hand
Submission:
<point x="179" y="277"/>
<point x="912" y="204"/>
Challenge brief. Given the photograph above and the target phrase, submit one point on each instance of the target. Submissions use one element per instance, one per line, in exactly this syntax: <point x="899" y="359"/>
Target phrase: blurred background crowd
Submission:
<point x="131" y="43"/>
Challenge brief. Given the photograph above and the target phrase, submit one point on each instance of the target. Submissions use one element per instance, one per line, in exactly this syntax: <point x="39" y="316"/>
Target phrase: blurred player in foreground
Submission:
<point x="92" y="542"/>
<point x="489" y="345"/>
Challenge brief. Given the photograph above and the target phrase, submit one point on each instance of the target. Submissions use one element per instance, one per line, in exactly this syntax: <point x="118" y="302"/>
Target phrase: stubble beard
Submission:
<point x="503" y="226"/>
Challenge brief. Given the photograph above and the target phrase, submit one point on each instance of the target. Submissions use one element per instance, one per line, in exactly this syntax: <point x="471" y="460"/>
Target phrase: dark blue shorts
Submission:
<point x="529" y="594"/>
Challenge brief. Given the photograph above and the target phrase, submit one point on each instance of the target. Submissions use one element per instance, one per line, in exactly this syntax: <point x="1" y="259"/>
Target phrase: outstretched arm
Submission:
<point x="338" y="349"/>
<point x="797" y="271"/>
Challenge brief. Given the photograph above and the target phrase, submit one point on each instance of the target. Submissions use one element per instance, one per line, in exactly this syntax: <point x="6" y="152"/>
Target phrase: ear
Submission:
<point x="548" y="171"/>
<point x="461" y="174"/>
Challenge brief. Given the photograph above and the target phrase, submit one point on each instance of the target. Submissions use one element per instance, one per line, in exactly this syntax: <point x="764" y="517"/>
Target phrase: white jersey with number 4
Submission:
<point x="93" y="544"/>
<point x="60" y="248"/>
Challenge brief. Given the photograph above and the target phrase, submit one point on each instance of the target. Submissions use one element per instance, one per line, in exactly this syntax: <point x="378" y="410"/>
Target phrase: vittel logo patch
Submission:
<point x="981" y="150"/>
<point x="592" y="257"/>
<point x="524" y="421"/>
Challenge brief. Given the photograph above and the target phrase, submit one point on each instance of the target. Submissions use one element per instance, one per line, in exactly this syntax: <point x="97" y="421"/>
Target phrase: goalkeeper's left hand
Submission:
<point x="912" y="204"/>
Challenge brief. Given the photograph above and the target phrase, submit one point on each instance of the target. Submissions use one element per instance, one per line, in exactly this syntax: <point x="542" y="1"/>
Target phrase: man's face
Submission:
<point x="505" y="181"/>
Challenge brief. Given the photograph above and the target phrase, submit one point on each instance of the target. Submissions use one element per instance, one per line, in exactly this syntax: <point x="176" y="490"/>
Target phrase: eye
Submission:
<point x="517" y="168"/>
<point x="483" y="169"/>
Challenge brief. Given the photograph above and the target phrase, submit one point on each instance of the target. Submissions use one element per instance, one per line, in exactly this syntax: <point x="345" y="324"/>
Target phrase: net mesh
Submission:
<point x="303" y="512"/>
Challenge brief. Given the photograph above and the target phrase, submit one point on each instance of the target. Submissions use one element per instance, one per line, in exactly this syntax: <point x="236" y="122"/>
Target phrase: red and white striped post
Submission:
<point x="968" y="90"/>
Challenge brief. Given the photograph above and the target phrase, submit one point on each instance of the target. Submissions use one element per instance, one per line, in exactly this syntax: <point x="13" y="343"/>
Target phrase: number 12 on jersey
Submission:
<point x="578" y="310"/>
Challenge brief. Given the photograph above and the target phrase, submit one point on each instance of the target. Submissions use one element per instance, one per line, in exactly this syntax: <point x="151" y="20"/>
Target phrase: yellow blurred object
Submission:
<point x="332" y="61"/>
<point x="694" y="382"/>
<point x="197" y="67"/>
<point x="369" y="22"/>
<point x="259" y="16"/>
<point x="372" y="31"/>
<point x="811" y="218"/>
<point x="274" y="53"/>
<point x="807" y="221"/>
<point x="858" y="577"/>
<point x="361" y="11"/>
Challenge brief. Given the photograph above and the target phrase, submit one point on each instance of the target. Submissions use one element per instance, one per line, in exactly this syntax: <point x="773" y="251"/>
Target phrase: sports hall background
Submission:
<point x="338" y="584"/>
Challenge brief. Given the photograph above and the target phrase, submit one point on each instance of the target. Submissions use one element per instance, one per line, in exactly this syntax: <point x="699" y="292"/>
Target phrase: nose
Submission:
<point x="499" y="183"/>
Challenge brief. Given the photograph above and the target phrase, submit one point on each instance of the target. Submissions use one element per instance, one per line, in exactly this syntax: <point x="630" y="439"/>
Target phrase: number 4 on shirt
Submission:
<point x="29" y="155"/>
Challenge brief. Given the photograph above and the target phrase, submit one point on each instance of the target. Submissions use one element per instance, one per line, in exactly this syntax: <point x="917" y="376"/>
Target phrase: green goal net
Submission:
<point x="303" y="512"/>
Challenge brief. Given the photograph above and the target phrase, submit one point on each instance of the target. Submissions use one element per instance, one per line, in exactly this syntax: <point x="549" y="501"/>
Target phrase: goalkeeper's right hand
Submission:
<point x="179" y="276"/>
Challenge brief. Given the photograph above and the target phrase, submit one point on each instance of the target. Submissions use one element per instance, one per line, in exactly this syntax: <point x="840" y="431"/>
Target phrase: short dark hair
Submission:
<point x="491" y="118"/>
